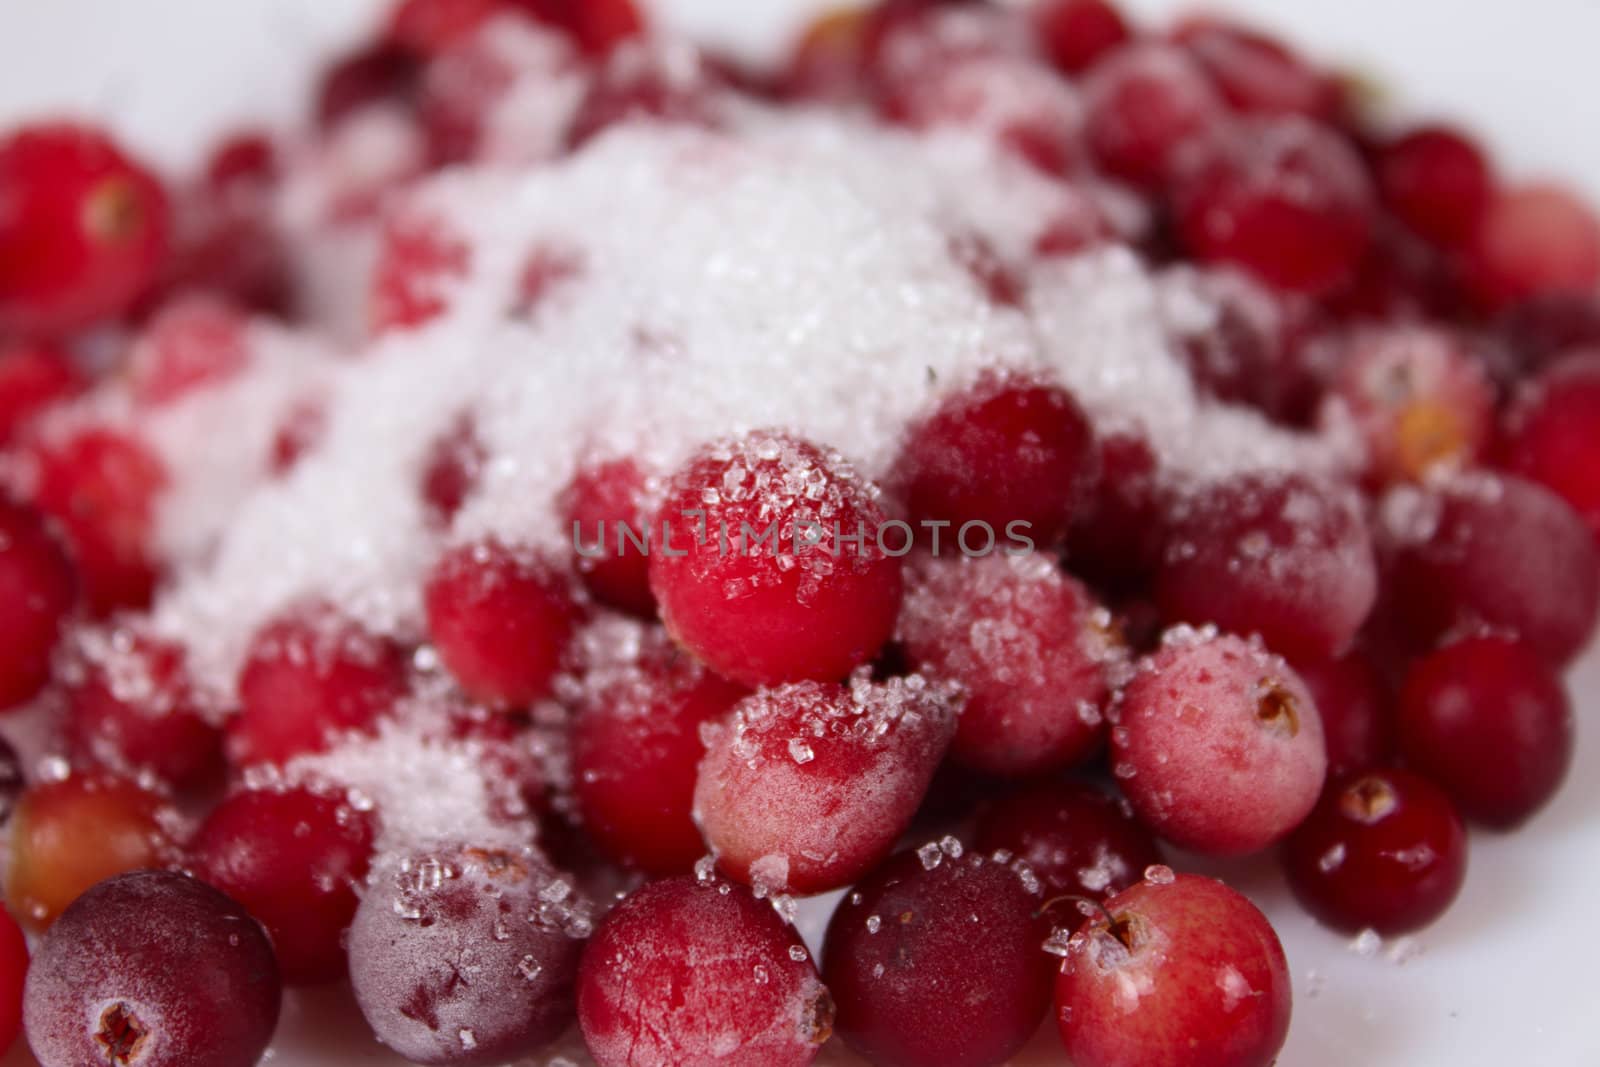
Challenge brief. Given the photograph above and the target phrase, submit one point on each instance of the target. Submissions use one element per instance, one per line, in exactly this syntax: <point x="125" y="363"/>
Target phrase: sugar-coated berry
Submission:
<point x="34" y="377"/>
<point x="699" y="971"/>
<point x="452" y="470"/>
<point x="772" y="563"/>
<point x="1355" y="703"/>
<point x="195" y="343"/>
<point x="1534" y="240"/>
<point x="1254" y="72"/>
<point x="1142" y="105"/>
<point x="935" y="957"/>
<point x="1438" y="182"/>
<point x="1077" y="34"/>
<point x="421" y="262"/>
<point x="1177" y="962"/>
<point x="38" y="588"/>
<point x="13" y="974"/>
<point x="810" y="784"/>
<point x="1218" y="745"/>
<point x="1488" y="720"/>
<point x="293" y="858"/>
<point x="1383" y="850"/>
<point x="1553" y="433"/>
<point x="596" y="26"/>
<point x="1118" y="538"/>
<point x="1077" y="839"/>
<point x="114" y="983"/>
<point x="606" y="506"/>
<point x="429" y="27"/>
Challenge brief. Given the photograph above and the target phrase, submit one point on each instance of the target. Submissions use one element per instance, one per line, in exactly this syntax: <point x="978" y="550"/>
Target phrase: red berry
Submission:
<point x="421" y="262"/>
<point x="133" y="709"/>
<point x="1543" y="329"/>
<point x="376" y="74"/>
<point x="688" y="972"/>
<point x="1283" y="555"/>
<point x="429" y="27"/>
<point x="1143" y="104"/>
<point x="1218" y="745"/>
<point x="244" y="162"/>
<point x="1283" y="198"/>
<point x="770" y="564"/>
<point x="1534" y="240"/>
<point x="1076" y="34"/>
<point x="501" y="619"/>
<point x="596" y="26"/>
<point x="13" y="973"/>
<point x="227" y="247"/>
<point x="935" y="958"/>
<point x="1354" y="702"/>
<point x="1384" y="850"/>
<point x="1176" y="963"/>
<point x="810" y="784"/>
<point x="34" y="377"/>
<point x="1009" y="452"/>
<point x="657" y="83"/>
<point x="1488" y="720"/>
<point x="293" y="859"/>
<point x="37" y="589"/>
<point x="1257" y="73"/>
<point x="82" y="232"/>
<point x="311" y="675"/>
<point x="607" y="507"/>
<point x="452" y="470"/>
<point x="1554" y="434"/>
<point x="301" y="430"/>
<point x="1031" y="650"/>
<point x="194" y="344"/>
<point x="1438" y="182"/>
<point x="1118" y="539"/>
<point x="1076" y="839"/>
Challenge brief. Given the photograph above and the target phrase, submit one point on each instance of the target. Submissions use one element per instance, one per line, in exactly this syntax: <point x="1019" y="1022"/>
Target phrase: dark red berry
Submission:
<point x="1543" y="329"/>
<point x="429" y="27"/>
<point x="452" y="470"/>
<point x="38" y="588"/>
<point x="607" y="507"/>
<point x="596" y="26"/>
<point x="1534" y="240"/>
<point x="1077" y="840"/>
<point x="13" y="973"/>
<point x="1354" y="701"/>
<point x="1438" y="182"/>
<point x="1142" y="105"/>
<point x="245" y="162"/>
<point x="1076" y="34"/>
<point x="656" y="84"/>
<point x="1117" y="540"/>
<point x="376" y="74"/>
<point x="1554" y="434"/>
<point x="34" y="377"/>
<point x="1257" y="73"/>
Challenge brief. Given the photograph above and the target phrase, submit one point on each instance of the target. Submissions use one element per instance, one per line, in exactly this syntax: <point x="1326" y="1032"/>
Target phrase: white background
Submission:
<point x="1508" y="976"/>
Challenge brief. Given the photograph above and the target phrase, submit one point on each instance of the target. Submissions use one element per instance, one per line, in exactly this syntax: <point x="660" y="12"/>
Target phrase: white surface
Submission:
<point x="1504" y="978"/>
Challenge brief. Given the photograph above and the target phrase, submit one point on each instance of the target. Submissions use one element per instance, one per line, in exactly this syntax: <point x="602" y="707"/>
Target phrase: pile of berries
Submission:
<point x="516" y="783"/>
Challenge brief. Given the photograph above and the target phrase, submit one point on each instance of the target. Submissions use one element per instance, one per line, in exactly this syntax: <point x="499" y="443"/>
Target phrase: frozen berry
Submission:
<point x="1534" y="240"/>
<point x="467" y="956"/>
<point x="1543" y="329"/>
<point x="428" y="27"/>
<point x="194" y="344"/>
<point x="1218" y="745"/>
<point x="1142" y="105"/>
<point x="421" y="262"/>
<point x="452" y="470"/>
<point x="376" y="74"/>
<point x="771" y="561"/>
<point x="1384" y="850"/>
<point x="34" y="377"/>
<point x="1488" y="720"/>
<point x="1077" y="839"/>
<point x="657" y="83"/>
<point x="112" y="984"/>
<point x="38" y="587"/>
<point x="1255" y="72"/>
<point x="501" y="619"/>
<point x="1117" y="539"/>
<point x="83" y="233"/>
<point x="935" y="958"/>
<point x="1438" y="182"/>
<point x="596" y="26"/>
<point x="1031" y="650"/>
<point x="686" y="971"/>
<point x="606" y="505"/>
<point x="1286" y="556"/>
<point x="810" y="784"/>
<point x="1554" y="434"/>
<point x="1175" y="963"/>
<point x="1354" y="702"/>
<point x="13" y="973"/>
<point x="244" y="162"/>
<point x="1076" y="34"/>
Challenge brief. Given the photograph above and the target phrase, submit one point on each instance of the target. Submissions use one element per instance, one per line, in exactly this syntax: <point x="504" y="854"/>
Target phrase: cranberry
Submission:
<point x="501" y="619"/>
<point x="133" y="709"/>
<point x="1494" y="550"/>
<point x="34" y="377"/>
<point x="810" y="784"/>
<point x="1488" y="720"/>
<point x="293" y="859"/>
<point x="1534" y="240"/>
<point x="13" y="973"/>
<point x="227" y="247"/>
<point x="421" y="262"/>
<point x="376" y="74"/>
<point x="1245" y="356"/>
<point x="1077" y="839"/>
<point x="805" y="587"/>
<point x="596" y="26"/>
<point x="1143" y="104"/>
<point x="37" y="590"/>
<point x="1077" y="34"/>
<point x="935" y="958"/>
<point x="1354" y="702"/>
<point x="1545" y="328"/>
<point x="1175" y="963"/>
<point x="1119" y="538"/>
<point x="687" y="971"/>
<point x="607" y="506"/>
<point x="1255" y="72"/>
<point x="191" y="345"/>
<point x="1383" y="850"/>
<point x="657" y="83"/>
<point x="83" y="232"/>
<point x="1283" y="198"/>
<point x="66" y="835"/>
<point x="1218" y="745"/>
<point x="302" y="428"/>
<point x="102" y="486"/>
<point x="1554" y="434"/>
<point x="1031" y="650"/>
<point x="467" y="956"/>
<point x="636" y="749"/>
<point x="429" y="27"/>
<point x="311" y="674"/>
<point x="1438" y="182"/>
<point x="243" y="162"/>
<point x="1284" y="555"/>
<point x="452" y="470"/>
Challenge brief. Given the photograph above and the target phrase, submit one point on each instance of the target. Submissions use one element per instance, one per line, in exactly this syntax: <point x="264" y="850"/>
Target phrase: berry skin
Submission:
<point x="377" y="74"/>
<point x="1218" y="745"/>
<point x="1488" y="720"/>
<point x="1031" y="650"/>
<point x="794" y="595"/>
<point x="34" y="377"/>
<point x="1542" y="330"/>
<point x="1438" y="182"/>
<point x="293" y="859"/>
<point x="1008" y="452"/>
<point x="1076" y="839"/>
<point x="1181" y="963"/>
<point x="810" y="784"/>
<point x="1534" y="240"/>
<point x="452" y="471"/>
<point x="111" y="984"/>
<point x="311" y="674"/>
<point x="1383" y="850"/>
<point x="1118" y="539"/>
<point x="700" y="972"/>
<point x="67" y="835"/>
<point x="1143" y="104"/>
<point x="606" y="507"/>
<point x="430" y="27"/>
<point x="38" y="588"/>
<point x="13" y="973"/>
<point x="1283" y="198"/>
<point x="194" y="344"/>
<point x="467" y="956"/>
<point x="1254" y="72"/>
<point x="1355" y="703"/>
<point x="935" y="958"/>
<point x="1554" y="434"/>
<point x="501" y="619"/>
<point x="1077" y="34"/>
<point x="1286" y="556"/>
<point x="595" y="26"/>
<point x="83" y="229"/>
